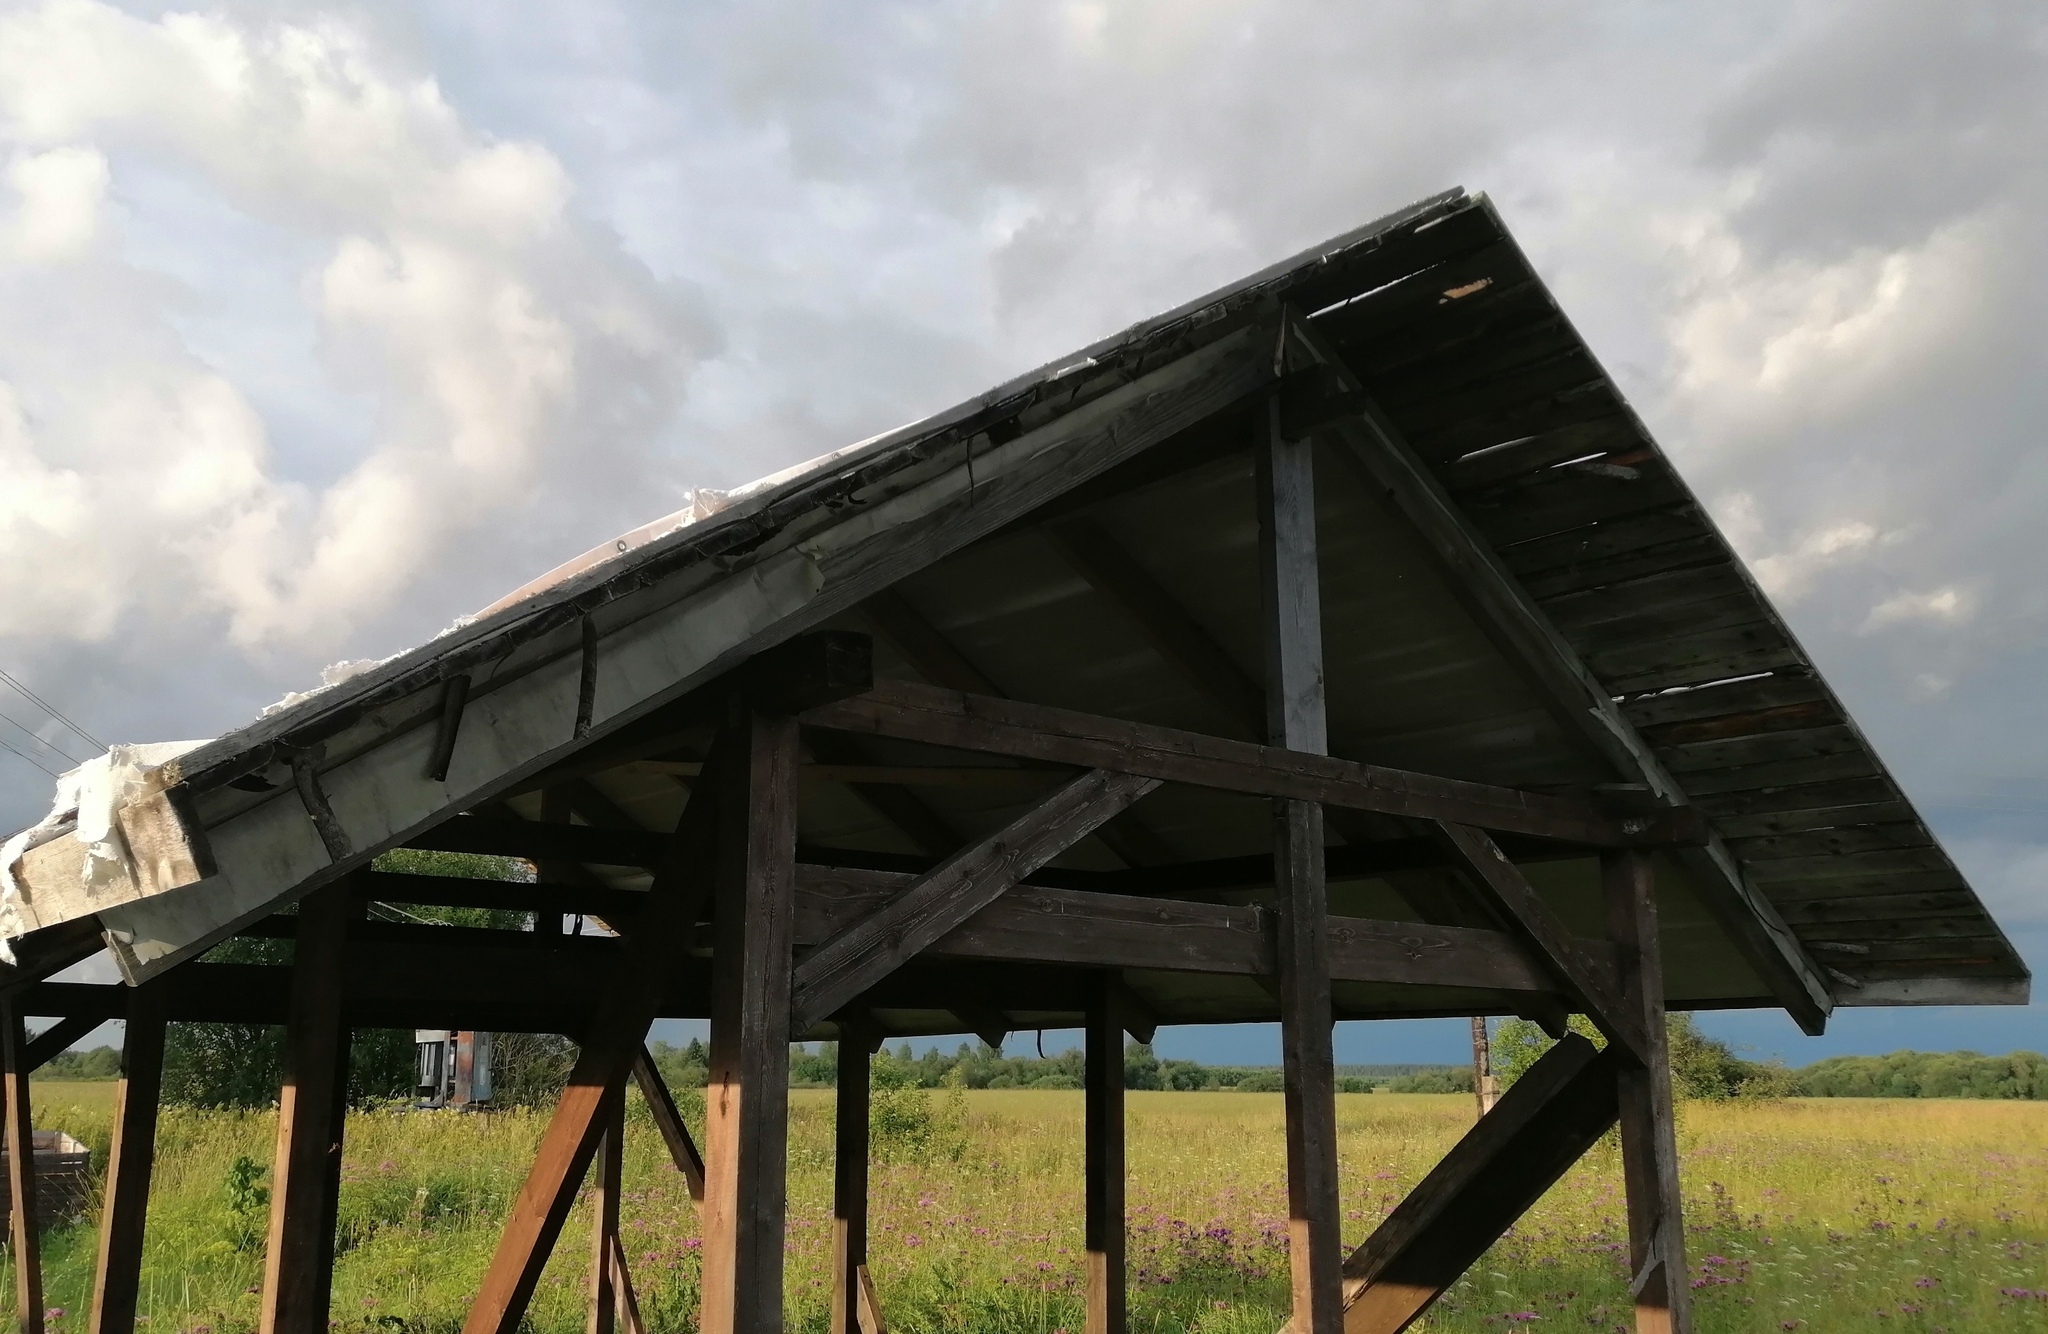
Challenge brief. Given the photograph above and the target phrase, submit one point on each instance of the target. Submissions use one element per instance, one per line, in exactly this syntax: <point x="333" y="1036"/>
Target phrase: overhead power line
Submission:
<point x="6" y="745"/>
<point x="30" y="733"/>
<point x="50" y="709"/>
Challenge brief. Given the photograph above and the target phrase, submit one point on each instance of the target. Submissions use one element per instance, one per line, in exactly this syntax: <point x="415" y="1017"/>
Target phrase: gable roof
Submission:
<point x="1538" y="600"/>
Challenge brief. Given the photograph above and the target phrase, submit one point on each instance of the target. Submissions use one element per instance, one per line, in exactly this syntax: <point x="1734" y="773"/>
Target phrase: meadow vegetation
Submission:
<point x="1803" y="1215"/>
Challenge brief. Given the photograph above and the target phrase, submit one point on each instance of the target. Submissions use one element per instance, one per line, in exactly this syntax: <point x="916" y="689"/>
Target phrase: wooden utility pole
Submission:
<point x="1485" y="1088"/>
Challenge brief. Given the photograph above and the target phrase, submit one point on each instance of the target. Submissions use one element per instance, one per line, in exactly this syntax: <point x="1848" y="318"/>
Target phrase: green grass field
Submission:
<point x="1814" y="1215"/>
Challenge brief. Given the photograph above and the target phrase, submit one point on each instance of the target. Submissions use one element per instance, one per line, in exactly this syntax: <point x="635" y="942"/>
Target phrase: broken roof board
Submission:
<point x="1440" y="317"/>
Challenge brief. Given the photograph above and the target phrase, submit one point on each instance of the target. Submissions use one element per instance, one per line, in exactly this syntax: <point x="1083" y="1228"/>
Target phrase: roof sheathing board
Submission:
<point x="1494" y="389"/>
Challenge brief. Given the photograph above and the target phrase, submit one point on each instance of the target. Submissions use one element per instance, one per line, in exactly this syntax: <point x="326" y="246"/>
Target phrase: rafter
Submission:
<point x="1368" y="439"/>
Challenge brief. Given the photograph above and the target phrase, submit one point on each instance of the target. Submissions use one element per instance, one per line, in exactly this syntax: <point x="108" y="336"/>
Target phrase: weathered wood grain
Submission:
<point x="1297" y="719"/>
<point x="1666" y="717"/>
<point x="117" y="1278"/>
<point x="1695" y="660"/>
<point x="1649" y="1143"/>
<point x="1763" y="748"/>
<point x="746" y="1105"/>
<point x="1582" y="704"/>
<point x="299" y="1257"/>
<point x="1862" y="837"/>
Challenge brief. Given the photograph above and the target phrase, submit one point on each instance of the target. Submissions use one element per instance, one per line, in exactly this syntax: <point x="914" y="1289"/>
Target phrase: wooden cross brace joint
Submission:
<point x="1509" y="891"/>
<point x="954" y="891"/>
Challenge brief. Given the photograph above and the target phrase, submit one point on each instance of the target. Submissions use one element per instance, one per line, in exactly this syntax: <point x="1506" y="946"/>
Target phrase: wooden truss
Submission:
<point x="808" y="942"/>
<point x="802" y="948"/>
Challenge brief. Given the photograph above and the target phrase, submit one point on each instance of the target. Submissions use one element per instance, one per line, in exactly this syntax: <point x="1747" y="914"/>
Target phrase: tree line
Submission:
<point x="980" y="1066"/>
<point x="238" y="1065"/>
<point x="242" y="1065"/>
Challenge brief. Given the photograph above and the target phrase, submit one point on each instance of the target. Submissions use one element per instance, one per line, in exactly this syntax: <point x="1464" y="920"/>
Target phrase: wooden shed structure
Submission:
<point x="1336" y="646"/>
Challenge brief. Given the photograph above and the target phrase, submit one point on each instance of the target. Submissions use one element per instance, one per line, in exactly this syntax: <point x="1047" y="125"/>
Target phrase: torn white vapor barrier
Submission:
<point x="87" y="807"/>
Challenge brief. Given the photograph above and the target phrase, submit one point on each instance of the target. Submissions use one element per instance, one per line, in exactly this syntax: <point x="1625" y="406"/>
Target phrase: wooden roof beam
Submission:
<point x="1366" y="437"/>
<point x="950" y="719"/>
<point x="938" y="660"/>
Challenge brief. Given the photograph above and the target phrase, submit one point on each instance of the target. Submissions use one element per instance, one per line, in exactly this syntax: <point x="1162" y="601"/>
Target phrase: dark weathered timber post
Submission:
<point x="1104" y="1058"/>
<point x="1296" y="719"/>
<point x="1649" y="1141"/>
<point x="298" y="1265"/>
<point x="604" y="1227"/>
<point x="747" y="1103"/>
<point x="118" y="1280"/>
<point x="21" y="1171"/>
<point x="850" y="1178"/>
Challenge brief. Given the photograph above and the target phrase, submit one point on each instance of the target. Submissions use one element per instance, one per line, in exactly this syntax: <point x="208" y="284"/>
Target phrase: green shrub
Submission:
<point x="1450" y="1079"/>
<point x="248" y="1200"/>
<point x="1915" y="1074"/>
<point x="1701" y="1067"/>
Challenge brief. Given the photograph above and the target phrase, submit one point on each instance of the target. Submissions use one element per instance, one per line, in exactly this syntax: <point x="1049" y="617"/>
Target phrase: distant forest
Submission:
<point x="1902" y="1074"/>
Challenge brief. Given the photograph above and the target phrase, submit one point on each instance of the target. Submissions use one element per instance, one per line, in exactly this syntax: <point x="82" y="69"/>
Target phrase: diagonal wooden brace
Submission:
<point x="1509" y="890"/>
<point x="1538" y="1129"/>
<point x="954" y="891"/>
<point x="656" y="942"/>
<point x="668" y="1119"/>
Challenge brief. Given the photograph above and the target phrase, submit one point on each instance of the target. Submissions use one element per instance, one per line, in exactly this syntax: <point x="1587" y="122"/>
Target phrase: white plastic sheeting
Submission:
<point x="89" y="801"/>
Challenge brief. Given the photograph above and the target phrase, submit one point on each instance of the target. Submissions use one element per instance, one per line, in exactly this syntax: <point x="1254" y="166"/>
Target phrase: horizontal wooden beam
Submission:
<point x="405" y="976"/>
<point x="534" y="841"/>
<point x="1078" y="928"/>
<point x="910" y="712"/>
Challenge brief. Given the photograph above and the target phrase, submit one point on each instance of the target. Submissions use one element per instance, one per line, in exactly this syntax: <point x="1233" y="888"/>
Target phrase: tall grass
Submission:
<point x="1814" y="1215"/>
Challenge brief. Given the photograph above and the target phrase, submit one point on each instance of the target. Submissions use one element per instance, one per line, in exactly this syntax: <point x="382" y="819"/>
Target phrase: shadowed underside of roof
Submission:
<point x="1087" y="538"/>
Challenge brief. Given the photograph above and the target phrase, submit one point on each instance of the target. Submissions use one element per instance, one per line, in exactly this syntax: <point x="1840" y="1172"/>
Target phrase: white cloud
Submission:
<point x="61" y="192"/>
<point x="1942" y="606"/>
<point x="1790" y="573"/>
<point x="480" y="327"/>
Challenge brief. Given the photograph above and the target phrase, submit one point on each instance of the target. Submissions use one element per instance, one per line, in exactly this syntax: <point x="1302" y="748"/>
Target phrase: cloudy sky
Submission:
<point x="323" y="325"/>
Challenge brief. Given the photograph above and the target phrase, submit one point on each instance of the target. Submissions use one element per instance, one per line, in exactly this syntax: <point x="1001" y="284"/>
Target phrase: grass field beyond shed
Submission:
<point x="1814" y="1215"/>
